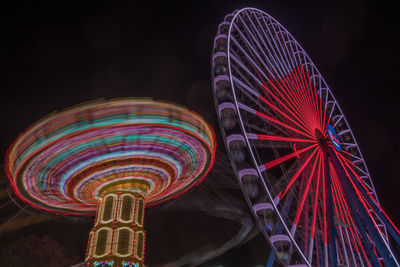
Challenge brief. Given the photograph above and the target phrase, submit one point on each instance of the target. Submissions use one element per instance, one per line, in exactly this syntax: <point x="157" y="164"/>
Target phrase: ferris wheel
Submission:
<point x="308" y="185"/>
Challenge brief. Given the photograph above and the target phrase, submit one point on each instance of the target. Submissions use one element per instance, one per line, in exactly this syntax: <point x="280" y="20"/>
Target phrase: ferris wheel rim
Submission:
<point x="247" y="140"/>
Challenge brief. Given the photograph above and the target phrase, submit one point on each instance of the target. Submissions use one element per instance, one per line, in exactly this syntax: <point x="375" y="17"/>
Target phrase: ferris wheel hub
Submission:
<point x="320" y="138"/>
<point x="333" y="137"/>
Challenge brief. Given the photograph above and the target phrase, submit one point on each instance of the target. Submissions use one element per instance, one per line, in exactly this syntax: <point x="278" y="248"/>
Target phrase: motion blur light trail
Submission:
<point x="218" y="197"/>
<point x="111" y="156"/>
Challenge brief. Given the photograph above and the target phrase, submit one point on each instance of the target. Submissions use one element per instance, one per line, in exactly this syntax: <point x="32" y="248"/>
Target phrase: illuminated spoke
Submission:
<point x="269" y="104"/>
<point x="365" y="203"/>
<point x="296" y="175"/>
<point x="353" y="229"/>
<point x="314" y="212"/>
<point x="305" y="193"/>
<point x="292" y="107"/>
<point x="278" y="138"/>
<point x="282" y="159"/>
<point x="271" y="119"/>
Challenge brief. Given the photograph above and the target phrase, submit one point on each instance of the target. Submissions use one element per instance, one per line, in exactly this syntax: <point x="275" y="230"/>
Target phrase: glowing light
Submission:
<point x="334" y="137"/>
<point x="115" y="157"/>
<point x="60" y="162"/>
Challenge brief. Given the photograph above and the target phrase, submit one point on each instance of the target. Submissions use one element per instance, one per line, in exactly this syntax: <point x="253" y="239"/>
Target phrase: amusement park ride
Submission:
<point x="290" y="146"/>
<point x="315" y="203"/>
<point x="111" y="158"/>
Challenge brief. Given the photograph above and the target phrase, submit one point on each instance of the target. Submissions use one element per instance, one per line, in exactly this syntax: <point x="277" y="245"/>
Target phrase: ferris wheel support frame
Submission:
<point x="333" y="255"/>
<point x="356" y="206"/>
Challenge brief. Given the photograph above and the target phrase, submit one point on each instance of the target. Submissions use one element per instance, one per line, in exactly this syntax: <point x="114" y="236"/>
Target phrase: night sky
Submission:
<point x="60" y="54"/>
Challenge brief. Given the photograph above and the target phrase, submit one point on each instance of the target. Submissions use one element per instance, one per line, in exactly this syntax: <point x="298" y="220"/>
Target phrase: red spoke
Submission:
<point x="284" y="114"/>
<point x="314" y="98"/>
<point x="291" y="110"/>
<point x="283" y="139"/>
<point x="297" y="89"/>
<point x="380" y="264"/>
<point x="303" y="198"/>
<point x="310" y="103"/>
<point x="277" y="161"/>
<point x="324" y="199"/>
<point x="306" y="99"/>
<point x="338" y="214"/>
<point x="299" y="100"/>
<point x="273" y="120"/>
<point x="320" y="221"/>
<point x="336" y="195"/>
<point x="344" y="160"/>
<point x="347" y="153"/>
<point x="343" y="205"/>
<point x="275" y="97"/>
<point x="343" y="215"/>
<point x="316" y="200"/>
<point x="298" y="172"/>
<point x="360" y="194"/>
<point x="289" y="98"/>
<point x="326" y="122"/>
<point x="351" y="219"/>
<point x="353" y="231"/>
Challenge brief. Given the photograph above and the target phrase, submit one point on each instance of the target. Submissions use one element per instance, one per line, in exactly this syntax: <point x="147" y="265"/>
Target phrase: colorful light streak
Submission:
<point x="62" y="162"/>
<point x="113" y="157"/>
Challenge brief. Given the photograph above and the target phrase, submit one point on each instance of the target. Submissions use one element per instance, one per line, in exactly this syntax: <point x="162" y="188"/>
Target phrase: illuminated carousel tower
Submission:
<point x="111" y="158"/>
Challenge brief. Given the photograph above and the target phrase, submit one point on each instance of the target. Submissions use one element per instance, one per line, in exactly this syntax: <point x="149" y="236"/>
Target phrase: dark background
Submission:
<point x="59" y="54"/>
